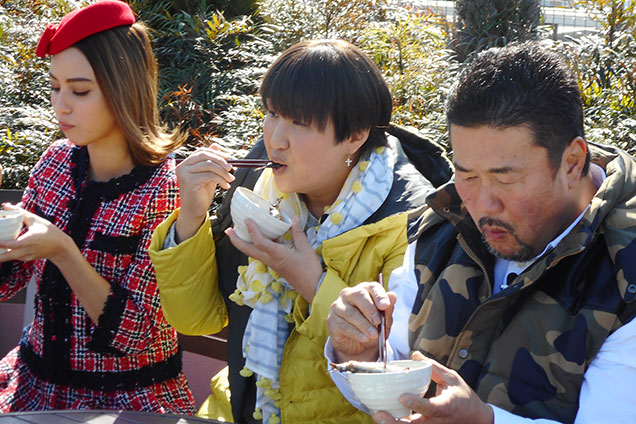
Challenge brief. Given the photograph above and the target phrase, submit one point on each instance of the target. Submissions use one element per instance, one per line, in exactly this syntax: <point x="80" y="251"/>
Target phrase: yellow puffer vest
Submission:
<point x="193" y="305"/>
<point x="308" y="394"/>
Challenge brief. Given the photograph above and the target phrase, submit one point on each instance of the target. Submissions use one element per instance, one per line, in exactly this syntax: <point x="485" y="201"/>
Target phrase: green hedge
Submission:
<point x="211" y="63"/>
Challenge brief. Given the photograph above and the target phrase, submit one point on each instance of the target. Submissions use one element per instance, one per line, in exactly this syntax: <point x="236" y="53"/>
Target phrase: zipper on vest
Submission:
<point x="452" y="357"/>
<point x="474" y="258"/>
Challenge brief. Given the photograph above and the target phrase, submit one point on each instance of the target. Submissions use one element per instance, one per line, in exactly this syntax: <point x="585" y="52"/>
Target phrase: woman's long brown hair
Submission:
<point x="126" y="71"/>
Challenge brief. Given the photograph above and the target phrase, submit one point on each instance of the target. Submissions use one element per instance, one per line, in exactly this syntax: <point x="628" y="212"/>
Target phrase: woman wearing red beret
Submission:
<point x="99" y="339"/>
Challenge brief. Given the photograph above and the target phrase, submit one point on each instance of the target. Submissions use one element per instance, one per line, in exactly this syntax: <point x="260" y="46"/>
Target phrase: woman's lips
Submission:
<point x="279" y="169"/>
<point x="65" y="127"/>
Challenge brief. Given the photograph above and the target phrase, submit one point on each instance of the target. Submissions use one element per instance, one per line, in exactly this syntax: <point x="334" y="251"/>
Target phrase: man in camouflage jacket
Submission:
<point x="529" y="195"/>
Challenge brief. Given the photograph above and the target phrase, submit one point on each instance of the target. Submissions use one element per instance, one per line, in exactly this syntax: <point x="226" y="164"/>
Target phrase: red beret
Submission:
<point x="82" y="23"/>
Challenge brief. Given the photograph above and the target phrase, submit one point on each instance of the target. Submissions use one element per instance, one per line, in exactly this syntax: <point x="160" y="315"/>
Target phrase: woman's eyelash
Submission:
<point x="75" y="92"/>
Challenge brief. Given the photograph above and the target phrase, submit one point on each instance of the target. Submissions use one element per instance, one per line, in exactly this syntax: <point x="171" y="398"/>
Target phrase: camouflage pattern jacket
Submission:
<point x="527" y="348"/>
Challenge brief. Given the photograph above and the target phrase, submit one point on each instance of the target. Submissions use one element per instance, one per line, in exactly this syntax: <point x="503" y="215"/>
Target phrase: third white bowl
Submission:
<point x="381" y="391"/>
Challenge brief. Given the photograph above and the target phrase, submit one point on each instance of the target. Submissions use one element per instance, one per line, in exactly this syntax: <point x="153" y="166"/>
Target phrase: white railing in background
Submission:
<point x="566" y="19"/>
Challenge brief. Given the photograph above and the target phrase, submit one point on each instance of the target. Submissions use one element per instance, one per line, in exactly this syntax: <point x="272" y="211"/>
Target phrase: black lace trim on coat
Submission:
<point x="109" y="321"/>
<point x="116" y="245"/>
<point x="111" y="189"/>
<point x="104" y="381"/>
<point x="55" y="294"/>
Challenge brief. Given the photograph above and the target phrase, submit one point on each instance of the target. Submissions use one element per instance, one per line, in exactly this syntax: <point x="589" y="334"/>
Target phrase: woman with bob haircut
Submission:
<point x="348" y="186"/>
<point x="98" y="339"/>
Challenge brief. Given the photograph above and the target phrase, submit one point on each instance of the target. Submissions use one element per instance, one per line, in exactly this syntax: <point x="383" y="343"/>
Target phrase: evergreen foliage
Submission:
<point x="493" y="23"/>
<point x="27" y="123"/>
<point x="212" y="61"/>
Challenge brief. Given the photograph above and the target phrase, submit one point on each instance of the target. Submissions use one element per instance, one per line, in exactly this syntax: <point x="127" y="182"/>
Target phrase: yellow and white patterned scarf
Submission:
<point x="271" y="297"/>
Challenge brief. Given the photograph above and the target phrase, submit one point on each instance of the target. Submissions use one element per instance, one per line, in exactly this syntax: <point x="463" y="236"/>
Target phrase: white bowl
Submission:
<point x="247" y="204"/>
<point x="10" y="225"/>
<point x="381" y="391"/>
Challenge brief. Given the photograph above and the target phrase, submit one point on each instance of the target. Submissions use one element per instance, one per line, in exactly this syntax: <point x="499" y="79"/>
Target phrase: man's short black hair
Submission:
<point x="522" y="84"/>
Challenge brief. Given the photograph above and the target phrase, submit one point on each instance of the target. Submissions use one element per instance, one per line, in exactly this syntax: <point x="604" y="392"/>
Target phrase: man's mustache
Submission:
<point x="494" y="222"/>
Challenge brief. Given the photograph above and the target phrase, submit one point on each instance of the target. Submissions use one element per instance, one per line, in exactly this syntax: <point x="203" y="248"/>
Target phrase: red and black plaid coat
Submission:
<point x="129" y="359"/>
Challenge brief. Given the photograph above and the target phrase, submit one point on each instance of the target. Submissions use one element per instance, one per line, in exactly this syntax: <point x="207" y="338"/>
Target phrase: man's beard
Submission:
<point x="525" y="252"/>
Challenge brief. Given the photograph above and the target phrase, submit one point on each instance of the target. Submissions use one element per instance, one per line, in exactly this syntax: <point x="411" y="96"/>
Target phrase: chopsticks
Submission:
<point x="382" y="336"/>
<point x="253" y="163"/>
<point x="237" y="163"/>
<point x="247" y="163"/>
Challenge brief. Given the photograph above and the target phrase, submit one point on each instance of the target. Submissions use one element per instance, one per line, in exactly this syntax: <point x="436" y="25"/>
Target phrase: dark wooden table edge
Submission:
<point x="74" y="415"/>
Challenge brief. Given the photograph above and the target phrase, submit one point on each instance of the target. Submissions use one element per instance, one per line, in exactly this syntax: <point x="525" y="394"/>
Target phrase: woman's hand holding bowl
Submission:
<point x="298" y="264"/>
<point x="42" y="240"/>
